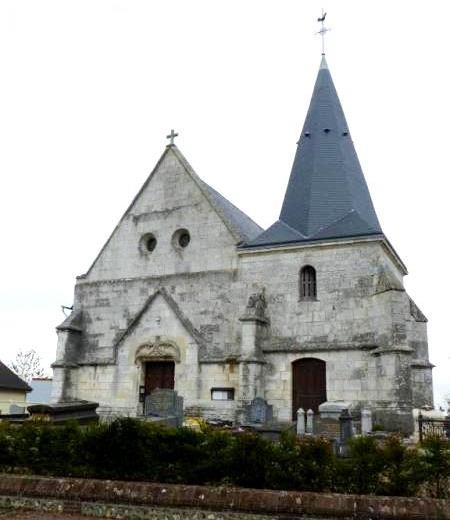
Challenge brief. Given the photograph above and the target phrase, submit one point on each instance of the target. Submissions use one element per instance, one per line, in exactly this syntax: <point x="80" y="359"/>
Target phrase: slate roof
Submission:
<point x="242" y="227"/>
<point x="241" y="224"/>
<point x="327" y="196"/>
<point x="10" y="381"/>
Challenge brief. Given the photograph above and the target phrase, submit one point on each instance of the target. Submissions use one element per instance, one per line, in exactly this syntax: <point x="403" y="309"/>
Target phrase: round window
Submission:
<point x="148" y="243"/>
<point x="184" y="239"/>
<point x="181" y="238"/>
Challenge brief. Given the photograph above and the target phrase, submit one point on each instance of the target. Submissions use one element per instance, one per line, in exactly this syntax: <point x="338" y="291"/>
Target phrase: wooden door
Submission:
<point x="309" y="385"/>
<point x="159" y="374"/>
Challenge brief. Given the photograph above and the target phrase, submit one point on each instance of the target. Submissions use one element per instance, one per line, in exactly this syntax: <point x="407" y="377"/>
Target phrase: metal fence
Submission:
<point x="436" y="427"/>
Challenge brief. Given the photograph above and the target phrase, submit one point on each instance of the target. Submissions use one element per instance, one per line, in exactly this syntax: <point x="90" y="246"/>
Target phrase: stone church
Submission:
<point x="189" y="293"/>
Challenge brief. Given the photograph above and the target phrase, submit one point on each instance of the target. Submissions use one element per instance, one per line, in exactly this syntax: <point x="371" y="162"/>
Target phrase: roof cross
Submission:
<point x="323" y="29"/>
<point x="171" y="136"/>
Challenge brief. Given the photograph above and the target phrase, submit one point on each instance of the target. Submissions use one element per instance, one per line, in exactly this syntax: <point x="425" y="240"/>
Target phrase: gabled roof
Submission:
<point x="10" y="381"/>
<point x="327" y="196"/>
<point x="241" y="227"/>
<point x="184" y="320"/>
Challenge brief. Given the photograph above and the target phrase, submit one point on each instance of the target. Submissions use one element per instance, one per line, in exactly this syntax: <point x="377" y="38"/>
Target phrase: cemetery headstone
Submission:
<point x="164" y="403"/>
<point x="366" y="421"/>
<point x="310" y="422"/>
<point x="259" y="411"/>
<point x="301" y="422"/>
<point x="333" y="409"/>
<point x="83" y="412"/>
<point x="345" y="421"/>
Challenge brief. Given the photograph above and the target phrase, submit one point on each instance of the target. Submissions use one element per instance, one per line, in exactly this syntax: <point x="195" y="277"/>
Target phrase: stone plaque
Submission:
<point x="329" y="428"/>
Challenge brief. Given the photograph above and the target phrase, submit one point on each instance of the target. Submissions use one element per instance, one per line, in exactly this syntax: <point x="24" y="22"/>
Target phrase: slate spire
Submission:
<point x="327" y="196"/>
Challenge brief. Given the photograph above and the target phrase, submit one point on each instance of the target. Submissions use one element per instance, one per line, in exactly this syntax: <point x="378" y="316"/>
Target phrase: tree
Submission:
<point x="27" y="364"/>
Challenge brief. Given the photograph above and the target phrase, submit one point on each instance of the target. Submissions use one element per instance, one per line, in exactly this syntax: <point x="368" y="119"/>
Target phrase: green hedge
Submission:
<point x="128" y="449"/>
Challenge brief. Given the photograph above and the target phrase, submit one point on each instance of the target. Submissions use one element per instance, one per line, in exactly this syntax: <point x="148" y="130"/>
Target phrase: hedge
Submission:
<point x="129" y="449"/>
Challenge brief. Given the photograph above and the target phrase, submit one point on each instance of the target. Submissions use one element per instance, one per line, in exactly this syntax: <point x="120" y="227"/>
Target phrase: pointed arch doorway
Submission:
<point x="309" y="385"/>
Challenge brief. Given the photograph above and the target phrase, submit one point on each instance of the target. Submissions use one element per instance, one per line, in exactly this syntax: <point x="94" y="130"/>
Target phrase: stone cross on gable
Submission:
<point x="171" y="136"/>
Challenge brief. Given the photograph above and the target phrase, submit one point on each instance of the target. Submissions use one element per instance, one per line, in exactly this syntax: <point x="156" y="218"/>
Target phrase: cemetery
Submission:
<point x="137" y="450"/>
<point x="335" y="456"/>
<point x="161" y="461"/>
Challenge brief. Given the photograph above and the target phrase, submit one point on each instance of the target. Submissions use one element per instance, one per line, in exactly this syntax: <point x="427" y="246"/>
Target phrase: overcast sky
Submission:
<point x="89" y="89"/>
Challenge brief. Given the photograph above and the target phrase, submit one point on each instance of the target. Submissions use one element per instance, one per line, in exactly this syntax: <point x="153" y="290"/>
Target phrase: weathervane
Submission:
<point x="323" y="29"/>
<point x="171" y="136"/>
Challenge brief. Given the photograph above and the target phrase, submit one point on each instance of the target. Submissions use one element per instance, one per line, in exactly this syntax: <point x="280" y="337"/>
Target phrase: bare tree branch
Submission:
<point x="27" y="364"/>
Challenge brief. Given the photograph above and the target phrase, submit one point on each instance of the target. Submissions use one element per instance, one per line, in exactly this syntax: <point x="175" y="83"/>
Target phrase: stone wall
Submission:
<point x="347" y="323"/>
<point x="175" y="502"/>
<point x="169" y="201"/>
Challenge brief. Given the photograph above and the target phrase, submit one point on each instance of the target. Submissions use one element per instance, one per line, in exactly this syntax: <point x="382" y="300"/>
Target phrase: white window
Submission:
<point x="222" y="394"/>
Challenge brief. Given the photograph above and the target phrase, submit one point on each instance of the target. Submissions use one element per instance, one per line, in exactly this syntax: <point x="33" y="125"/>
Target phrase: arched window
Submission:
<point x="308" y="287"/>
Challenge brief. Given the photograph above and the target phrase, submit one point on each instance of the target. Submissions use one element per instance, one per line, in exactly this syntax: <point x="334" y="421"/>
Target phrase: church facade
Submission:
<point x="189" y="293"/>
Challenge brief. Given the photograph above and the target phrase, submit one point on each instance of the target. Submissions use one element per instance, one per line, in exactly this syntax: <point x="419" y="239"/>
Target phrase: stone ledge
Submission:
<point x="263" y="502"/>
<point x="82" y="281"/>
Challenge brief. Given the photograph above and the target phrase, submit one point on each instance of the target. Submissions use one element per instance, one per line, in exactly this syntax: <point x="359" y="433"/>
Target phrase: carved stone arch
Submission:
<point x="158" y="351"/>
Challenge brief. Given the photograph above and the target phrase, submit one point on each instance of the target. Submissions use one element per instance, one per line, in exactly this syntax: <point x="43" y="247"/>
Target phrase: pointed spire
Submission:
<point x="327" y="195"/>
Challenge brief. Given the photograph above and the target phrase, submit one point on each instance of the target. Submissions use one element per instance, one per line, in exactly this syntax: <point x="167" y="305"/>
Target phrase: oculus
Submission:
<point x="148" y="243"/>
<point x="181" y="238"/>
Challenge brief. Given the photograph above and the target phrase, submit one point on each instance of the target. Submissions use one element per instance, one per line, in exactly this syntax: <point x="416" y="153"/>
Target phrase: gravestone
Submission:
<point x="346" y="433"/>
<point x="366" y="421"/>
<point x="84" y="412"/>
<point x="345" y="420"/>
<point x="165" y="403"/>
<point x="329" y="428"/>
<point x="259" y="412"/>
<point x="310" y="422"/>
<point x="333" y="409"/>
<point x="301" y="422"/>
<point x="329" y="424"/>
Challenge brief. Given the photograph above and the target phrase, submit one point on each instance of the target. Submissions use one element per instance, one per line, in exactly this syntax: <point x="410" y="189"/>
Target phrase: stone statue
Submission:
<point x="257" y="304"/>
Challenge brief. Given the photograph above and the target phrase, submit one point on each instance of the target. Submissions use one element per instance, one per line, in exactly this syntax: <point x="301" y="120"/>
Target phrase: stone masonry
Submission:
<point x="189" y="303"/>
<point x="144" y="500"/>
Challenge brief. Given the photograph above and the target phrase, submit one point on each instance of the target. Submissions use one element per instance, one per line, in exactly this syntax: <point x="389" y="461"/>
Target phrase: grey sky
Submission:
<point x="89" y="89"/>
